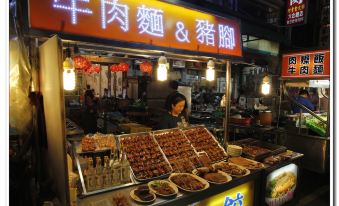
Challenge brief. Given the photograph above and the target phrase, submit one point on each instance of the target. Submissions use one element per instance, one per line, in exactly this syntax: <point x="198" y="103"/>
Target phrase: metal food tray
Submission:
<point x="96" y="153"/>
<point x="243" y="141"/>
<point x="274" y="149"/>
<point x="119" y="137"/>
<point x="213" y="138"/>
<point x="257" y="157"/>
<point x="251" y="142"/>
<point x="86" y="193"/>
<point x="79" y="151"/>
<point x="171" y="130"/>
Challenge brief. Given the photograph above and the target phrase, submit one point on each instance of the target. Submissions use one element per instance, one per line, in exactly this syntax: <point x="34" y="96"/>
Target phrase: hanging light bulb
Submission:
<point x="68" y="74"/>
<point x="266" y="87"/>
<point x="210" y="72"/>
<point x="162" y="68"/>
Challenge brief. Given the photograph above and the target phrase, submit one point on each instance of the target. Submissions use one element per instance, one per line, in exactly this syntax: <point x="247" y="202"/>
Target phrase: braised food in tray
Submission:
<point x="247" y="163"/>
<point x="88" y="144"/>
<point x="142" y="194"/>
<point x="254" y="151"/>
<point x="98" y="142"/>
<point x="105" y="141"/>
<point x="189" y="182"/>
<point x="288" y="154"/>
<point x="178" y="150"/>
<point x="274" y="159"/>
<point x="145" y="157"/>
<point x="163" y="188"/>
<point x="232" y="169"/>
<point x="212" y="175"/>
<point x="202" y="140"/>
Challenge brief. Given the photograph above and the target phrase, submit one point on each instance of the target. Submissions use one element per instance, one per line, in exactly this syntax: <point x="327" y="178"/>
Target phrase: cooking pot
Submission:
<point x="265" y="118"/>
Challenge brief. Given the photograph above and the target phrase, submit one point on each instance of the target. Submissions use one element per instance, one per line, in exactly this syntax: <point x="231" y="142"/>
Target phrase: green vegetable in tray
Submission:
<point x="316" y="125"/>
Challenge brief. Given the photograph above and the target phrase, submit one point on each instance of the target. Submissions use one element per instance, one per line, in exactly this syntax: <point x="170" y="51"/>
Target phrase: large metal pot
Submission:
<point x="265" y="117"/>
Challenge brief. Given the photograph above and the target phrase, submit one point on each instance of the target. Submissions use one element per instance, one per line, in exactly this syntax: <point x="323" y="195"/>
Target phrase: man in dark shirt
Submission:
<point x="303" y="99"/>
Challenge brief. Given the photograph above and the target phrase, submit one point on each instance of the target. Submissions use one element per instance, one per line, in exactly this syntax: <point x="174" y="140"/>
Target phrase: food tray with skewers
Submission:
<point x="146" y="159"/>
<point x="178" y="150"/>
<point x="203" y="141"/>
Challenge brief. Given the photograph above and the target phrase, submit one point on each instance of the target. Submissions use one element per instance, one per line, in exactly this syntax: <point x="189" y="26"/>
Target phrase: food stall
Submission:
<point x="307" y="131"/>
<point x="100" y="169"/>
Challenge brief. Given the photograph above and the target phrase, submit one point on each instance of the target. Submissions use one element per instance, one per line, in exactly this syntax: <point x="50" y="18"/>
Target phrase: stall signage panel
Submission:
<point x="314" y="64"/>
<point x="281" y="184"/>
<point x="241" y="195"/>
<point x="150" y="22"/>
<point x="296" y="12"/>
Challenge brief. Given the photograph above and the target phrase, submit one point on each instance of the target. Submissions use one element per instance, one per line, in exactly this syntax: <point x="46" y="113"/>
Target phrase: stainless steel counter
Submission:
<point x="316" y="150"/>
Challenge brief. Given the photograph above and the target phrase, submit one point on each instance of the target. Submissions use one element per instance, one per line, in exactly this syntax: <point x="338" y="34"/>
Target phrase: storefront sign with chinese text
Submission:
<point x="314" y="64"/>
<point x="296" y="12"/>
<point x="150" y="22"/>
<point x="242" y="195"/>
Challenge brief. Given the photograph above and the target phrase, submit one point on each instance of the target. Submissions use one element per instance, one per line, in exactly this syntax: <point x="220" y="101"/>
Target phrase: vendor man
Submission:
<point x="303" y="99"/>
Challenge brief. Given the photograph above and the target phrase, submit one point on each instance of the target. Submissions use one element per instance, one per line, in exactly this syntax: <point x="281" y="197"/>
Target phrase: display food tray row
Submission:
<point x="147" y="159"/>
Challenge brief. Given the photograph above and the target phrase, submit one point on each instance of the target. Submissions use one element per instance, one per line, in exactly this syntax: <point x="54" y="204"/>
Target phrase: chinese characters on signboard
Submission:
<point x="315" y="64"/>
<point x="229" y="201"/>
<point x="241" y="195"/>
<point x="296" y="12"/>
<point x="151" y="22"/>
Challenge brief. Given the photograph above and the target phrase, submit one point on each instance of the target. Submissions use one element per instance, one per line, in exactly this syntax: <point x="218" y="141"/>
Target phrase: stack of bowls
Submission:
<point x="234" y="150"/>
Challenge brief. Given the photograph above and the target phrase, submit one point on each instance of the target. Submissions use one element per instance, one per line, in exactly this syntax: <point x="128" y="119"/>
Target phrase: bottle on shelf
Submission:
<point x="90" y="175"/>
<point x="125" y="169"/>
<point x="116" y="171"/>
<point x="98" y="173"/>
<point x="106" y="173"/>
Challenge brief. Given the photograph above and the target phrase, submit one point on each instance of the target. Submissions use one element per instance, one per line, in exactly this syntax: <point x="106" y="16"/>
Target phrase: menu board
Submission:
<point x="311" y="64"/>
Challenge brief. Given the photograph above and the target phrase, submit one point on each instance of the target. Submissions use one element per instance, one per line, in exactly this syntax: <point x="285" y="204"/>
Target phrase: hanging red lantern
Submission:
<point x="146" y="67"/>
<point x="96" y="68"/>
<point x="123" y="67"/>
<point x="80" y="62"/>
<point x="114" y="68"/>
<point x="87" y="69"/>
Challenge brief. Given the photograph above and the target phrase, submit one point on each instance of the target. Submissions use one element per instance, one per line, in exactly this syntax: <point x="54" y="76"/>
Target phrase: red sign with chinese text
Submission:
<point x="296" y="12"/>
<point x="150" y="22"/>
<point x="313" y="64"/>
